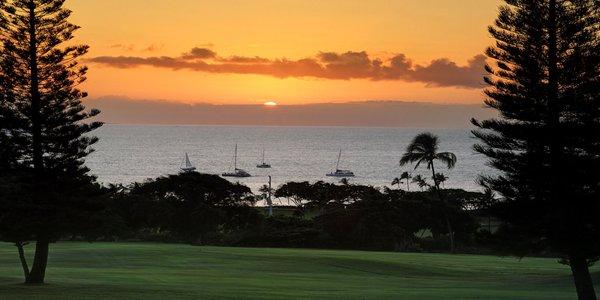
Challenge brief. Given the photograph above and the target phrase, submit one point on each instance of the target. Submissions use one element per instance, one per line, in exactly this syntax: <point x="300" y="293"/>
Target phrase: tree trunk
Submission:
<point x="435" y="183"/>
<point x="443" y="202"/>
<point x="40" y="261"/>
<point x="38" y="269"/>
<point x="23" y="259"/>
<point x="582" y="278"/>
<point x="450" y="234"/>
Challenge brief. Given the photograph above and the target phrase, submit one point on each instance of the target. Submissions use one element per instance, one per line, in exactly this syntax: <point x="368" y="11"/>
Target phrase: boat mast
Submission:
<point x="235" y="158"/>
<point x="263" y="156"/>
<point x="337" y="166"/>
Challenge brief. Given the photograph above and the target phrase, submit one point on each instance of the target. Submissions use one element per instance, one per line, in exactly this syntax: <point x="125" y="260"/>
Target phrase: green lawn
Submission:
<point x="164" y="271"/>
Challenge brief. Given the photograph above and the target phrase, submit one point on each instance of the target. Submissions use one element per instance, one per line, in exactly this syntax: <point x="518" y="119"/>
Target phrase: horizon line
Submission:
<point x="200" y="103"/>
<point x="283" y="125"/>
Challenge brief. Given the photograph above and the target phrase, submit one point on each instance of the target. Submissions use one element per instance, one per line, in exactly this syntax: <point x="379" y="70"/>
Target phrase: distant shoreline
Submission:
<point x="372" y="114"/>
<point x="290" y="126"/>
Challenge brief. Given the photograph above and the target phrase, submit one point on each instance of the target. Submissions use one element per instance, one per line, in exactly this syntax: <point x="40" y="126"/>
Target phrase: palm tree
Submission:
<point x="406" y="176"/>
<point x="396" y="181"/>
<point x="441" y="178"/>
<point x="267" y="191"/>
<point x="424" y="149"/>
<point x="420" y="181"/>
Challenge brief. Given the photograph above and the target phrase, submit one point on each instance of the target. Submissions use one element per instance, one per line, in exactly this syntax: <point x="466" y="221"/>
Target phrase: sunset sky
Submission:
<point x="286" y="51"/>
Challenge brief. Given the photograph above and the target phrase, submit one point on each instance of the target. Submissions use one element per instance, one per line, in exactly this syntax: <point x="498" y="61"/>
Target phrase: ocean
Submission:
<point x="134" y="153"/>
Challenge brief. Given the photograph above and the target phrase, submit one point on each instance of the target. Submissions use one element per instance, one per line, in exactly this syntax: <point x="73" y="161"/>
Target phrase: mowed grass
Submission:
<point x="166" y="271"/>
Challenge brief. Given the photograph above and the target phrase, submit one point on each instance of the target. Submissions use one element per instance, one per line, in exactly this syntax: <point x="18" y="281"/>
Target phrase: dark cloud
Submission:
<point x="328" y="65"/>
<point x="199" y="53"/>
<point x="444" y="72"/>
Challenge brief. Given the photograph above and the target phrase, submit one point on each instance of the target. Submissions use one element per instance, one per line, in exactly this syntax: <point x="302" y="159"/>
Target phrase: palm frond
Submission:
<point x="410" y="157"/>
<point x="448" y="158"/>
<point x="423" y="149"/>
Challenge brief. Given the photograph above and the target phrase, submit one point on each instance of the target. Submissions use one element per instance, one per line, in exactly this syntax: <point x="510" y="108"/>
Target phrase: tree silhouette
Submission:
<point x="266" y="194"/>
<point x="44" y="121"/>
<point x="424" y="150"/>
<point x="485" y="204"/>
<point x="189" y="205"/>
<point x="420" y="181"/>
<point x="441" y="178"/>
<point x="397" y="181"/>
<point x="544" y="81"/>
<point x="406" y="177"/>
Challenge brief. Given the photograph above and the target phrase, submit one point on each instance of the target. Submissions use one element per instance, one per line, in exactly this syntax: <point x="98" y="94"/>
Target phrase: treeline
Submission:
<point x="206" y="209"/>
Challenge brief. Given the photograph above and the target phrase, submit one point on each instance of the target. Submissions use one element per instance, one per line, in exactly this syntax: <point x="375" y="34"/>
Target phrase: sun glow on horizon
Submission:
<point x="270" y="103"/>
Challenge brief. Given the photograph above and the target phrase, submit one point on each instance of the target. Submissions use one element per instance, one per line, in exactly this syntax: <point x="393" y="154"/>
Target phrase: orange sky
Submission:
<point x="284" y="33"/>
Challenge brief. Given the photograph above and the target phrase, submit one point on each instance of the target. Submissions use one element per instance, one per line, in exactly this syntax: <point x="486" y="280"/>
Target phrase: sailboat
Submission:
<point x="187" y="166"/>
<point x="236" y="172"/>
<point x="263" y="165"/>
<point x="340" y="173"/>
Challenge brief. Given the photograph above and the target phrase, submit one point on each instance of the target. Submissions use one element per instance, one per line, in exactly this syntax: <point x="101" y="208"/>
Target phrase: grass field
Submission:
<point x="163" y="271"/>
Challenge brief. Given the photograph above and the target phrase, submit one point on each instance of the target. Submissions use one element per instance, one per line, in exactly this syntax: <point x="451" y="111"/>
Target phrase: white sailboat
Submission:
<point x="338" y="172"/>
<point x="263" y="164"/>
<point x="236" y="172"/>
<point x="187" y="166"/>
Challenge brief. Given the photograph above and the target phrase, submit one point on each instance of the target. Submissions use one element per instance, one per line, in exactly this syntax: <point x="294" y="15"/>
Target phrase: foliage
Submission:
<point x="44" y="130"/>
<point x="420" y="181"/>
<point x="425" y="149"/>
<point x="206" y="209"/>
<point x="191" y="207"/>
<point x="320" y="194"/>
<point x="357" y="216"/>
<point x="545" y="83"/>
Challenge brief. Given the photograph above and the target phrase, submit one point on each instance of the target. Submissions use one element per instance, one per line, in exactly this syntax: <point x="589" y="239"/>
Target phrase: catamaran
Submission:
<point x="236" y="172"/>
<point x="340" y="173"/>
<point x="263" y="165"/>
<point x="187" y="166"/>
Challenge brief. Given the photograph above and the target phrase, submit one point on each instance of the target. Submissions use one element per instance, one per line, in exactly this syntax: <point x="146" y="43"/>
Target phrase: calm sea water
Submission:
<point x="129" y="153"/>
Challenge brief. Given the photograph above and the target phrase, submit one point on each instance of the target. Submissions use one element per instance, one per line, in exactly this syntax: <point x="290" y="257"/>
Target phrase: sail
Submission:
<point x="187" y="165"/>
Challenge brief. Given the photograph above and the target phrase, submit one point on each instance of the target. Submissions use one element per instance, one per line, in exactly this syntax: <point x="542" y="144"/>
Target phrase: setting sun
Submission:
<point x="270" y="103"/>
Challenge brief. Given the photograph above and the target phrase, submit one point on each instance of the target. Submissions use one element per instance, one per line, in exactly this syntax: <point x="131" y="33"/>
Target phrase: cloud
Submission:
<point x="245" y="59"/>
<point x="326" y="65"/>
<point x="199" y="53"/>
<point x="129" y="47"/>
<point x="153" y="48"/>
